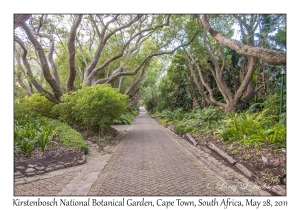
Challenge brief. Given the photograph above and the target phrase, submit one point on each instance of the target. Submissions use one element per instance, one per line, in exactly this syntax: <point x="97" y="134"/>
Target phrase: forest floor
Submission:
<point x="270" y="172"/>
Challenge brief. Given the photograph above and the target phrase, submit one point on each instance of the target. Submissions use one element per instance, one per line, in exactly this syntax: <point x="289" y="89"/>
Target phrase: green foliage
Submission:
<point x="127" y="117"/>
<point x="67" y="135"/>
<point x="272" y="105"/>
<point x="45" y="137"/>
<point x="27" y="146"/>
<point x="197" y="120"/>
<point x="29" y="132"/>
<point x="175" y="115"/>
<point x="182" y="128"/>
<point x="172" y="91"/>
<point x="93" y="106"/>
<point x="34" y="105"/>
<point x="254" y="129"/>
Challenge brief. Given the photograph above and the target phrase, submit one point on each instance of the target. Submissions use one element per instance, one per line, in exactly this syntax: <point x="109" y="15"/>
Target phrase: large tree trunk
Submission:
<point x="243" y="92"/>
<point x="273" y="57"/>
<point x="29" y="74"/>
<point x="72" y="50"/>
<point x="57" y="91"/>
<point x="50" y="56"/>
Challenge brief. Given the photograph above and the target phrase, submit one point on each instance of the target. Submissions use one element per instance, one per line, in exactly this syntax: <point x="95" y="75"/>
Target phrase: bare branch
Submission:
<point x="121" y="53"/>
<point x="28" y="71"/>
<point x="113" y="77"/>
<point x="19" y="77"/>
<point x="136" y="82"/>
<point x="44" y="63"/>
<point x="50" y="56"/>
<point x="273" y="57"/>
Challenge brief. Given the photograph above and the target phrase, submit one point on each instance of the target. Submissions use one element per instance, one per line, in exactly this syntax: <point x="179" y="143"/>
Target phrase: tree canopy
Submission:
<point x="203" y="60"/>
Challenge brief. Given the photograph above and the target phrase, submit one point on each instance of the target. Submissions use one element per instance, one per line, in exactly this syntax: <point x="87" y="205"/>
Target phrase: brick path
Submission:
<point x="150" y="160"/>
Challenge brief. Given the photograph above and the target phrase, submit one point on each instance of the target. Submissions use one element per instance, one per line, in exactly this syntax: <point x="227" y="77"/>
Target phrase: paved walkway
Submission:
<point x="150" y="160"/>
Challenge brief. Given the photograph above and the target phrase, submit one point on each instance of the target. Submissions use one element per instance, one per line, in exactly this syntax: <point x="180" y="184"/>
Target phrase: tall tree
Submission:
<point x="118" y="46"/>
<point x="236" y="97"/>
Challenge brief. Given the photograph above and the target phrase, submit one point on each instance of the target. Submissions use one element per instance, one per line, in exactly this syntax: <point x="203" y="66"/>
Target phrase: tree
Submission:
<point x="233" y="100"/>
<point x="273" y="57"/>
<point x="118" y="46"/>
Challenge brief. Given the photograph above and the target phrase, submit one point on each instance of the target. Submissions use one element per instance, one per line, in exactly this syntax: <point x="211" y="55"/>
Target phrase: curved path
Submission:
<point x="149" y="160"/>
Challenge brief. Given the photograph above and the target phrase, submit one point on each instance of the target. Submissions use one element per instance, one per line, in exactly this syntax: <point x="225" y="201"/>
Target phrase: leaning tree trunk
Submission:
<point x="273" y="57"/>
<point x="56" y="89"/>
<point x="30" y="75"/>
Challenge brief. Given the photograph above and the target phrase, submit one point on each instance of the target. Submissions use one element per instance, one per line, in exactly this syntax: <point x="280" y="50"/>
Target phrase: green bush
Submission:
<point x="34" y="105"/>
<point x="127" y="117"/>
<point x="197" y="120"/>
<point x="67" y="135"/>
<point x="92" y="106"/>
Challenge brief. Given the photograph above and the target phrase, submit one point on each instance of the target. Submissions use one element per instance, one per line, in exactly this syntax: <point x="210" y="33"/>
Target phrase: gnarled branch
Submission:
<point x="273" y="57"/>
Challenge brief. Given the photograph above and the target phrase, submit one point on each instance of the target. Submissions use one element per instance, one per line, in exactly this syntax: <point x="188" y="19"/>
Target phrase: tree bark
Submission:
<point x="72" y="50"/>
<point x="20" y="18"/>
<point x="114" y="76"/>
<point x="120" y="83"/>
<point x="202" y="83"/>
<point x="50" y="56"/>
<point x="95" y="71"/>
<point x="29" y="74"/>
<point x="28" y="88"/>
<point x="136" y="82"/>
<point x="135" y="101"/>
<point x="272" y="57"/>
<point x="44" y="63"/>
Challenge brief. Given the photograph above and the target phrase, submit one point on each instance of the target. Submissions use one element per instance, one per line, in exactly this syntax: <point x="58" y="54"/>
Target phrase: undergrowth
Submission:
<point x="246" y="127"/>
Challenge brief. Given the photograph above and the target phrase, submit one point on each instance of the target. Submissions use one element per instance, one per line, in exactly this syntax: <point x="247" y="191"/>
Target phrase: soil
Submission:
<point x="58" y="154"/>
<point x="53" y="155"/>
<point x="271" y="172"/>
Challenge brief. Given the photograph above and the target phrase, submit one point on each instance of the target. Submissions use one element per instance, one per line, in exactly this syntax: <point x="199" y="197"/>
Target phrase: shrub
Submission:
<point x="67" y="135"/>
<point x="34" y="105"/>
<point x="272" y="104"/>
<point x="127" y="117"/>
<point x="197" y="120"/>
<point x="92" y="106"/>
<point x="182" y="128"/>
